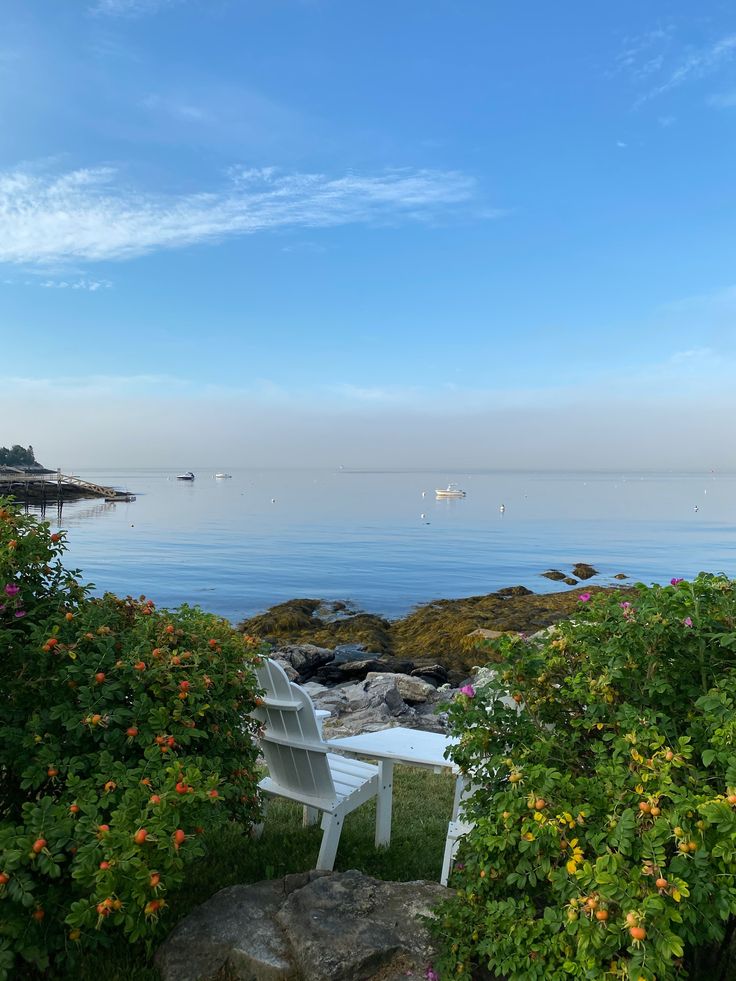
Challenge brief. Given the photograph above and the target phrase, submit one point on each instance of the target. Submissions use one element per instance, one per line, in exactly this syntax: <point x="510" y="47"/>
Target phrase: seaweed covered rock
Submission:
<point x="584" y="571"/>
<point x="434" y="633"/>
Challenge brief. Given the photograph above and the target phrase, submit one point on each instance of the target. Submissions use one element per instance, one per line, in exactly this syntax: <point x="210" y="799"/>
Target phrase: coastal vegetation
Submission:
<point x="124" y="737"/>
<point x="604" y="801"/>
<point x="17" y="456"/>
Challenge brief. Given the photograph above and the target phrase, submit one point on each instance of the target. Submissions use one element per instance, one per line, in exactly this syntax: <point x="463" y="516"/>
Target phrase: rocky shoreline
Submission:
<point x="440" y="632"/>
<point x="371" y="673"/>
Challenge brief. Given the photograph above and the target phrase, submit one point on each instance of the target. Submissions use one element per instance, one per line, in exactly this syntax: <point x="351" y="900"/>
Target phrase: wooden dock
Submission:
<point x="27" y="484"/>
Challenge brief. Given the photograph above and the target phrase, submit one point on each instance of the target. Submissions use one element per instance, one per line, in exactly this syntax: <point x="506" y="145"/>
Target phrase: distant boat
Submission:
<point x="452" y="490"/>
<point x="223" y="476"/>
<point x="185" y="476"/>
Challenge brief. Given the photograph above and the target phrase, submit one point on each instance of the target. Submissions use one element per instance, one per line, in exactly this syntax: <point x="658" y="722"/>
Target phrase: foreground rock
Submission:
<point x="340" y="926"/>
<point x="382" y="701"/>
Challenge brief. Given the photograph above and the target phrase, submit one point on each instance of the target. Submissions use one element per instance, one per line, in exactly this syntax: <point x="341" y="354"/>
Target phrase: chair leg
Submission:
<point x="331" y="828"/>
<point x="256" y="830"/>
<point x="384" y="803"/>
<point x="310" y="816"/>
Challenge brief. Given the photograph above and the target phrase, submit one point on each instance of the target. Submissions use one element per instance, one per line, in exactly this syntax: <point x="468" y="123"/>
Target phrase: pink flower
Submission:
<point x="625" y="605"/>
<point x="20" y="613"/>
<point x="11" y="589"/>
<point x="674" y="582"/>
<point x="431" y="975"/>
<point x="687" y="622"/>
<point x="468" y="690"/>
<point x="584" y="597"/>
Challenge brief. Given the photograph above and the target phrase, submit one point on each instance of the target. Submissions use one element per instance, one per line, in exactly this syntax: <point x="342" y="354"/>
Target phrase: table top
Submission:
<point x="399" y="744"/>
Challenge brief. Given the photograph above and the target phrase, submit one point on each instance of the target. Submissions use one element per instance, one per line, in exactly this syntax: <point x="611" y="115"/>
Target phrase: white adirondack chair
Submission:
<point x="300" y="766"/>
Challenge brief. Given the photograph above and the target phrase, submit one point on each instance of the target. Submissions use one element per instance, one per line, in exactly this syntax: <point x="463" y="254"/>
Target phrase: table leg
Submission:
<point x="384" y="802"/>
<point x="460" y="789"/>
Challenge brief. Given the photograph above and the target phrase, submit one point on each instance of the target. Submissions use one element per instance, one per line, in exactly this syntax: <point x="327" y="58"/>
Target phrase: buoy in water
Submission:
<point x="502" y="508"/>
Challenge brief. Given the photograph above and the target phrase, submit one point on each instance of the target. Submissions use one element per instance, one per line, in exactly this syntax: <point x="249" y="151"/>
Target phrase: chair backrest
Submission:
<point x="292" y="743"/>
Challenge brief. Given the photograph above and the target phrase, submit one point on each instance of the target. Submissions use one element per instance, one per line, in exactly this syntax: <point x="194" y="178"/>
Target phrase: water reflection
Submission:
<point x="382" y="540"/>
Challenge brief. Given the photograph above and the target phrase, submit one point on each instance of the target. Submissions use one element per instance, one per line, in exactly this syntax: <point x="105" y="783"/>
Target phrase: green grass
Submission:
<point x="422" y="806"/>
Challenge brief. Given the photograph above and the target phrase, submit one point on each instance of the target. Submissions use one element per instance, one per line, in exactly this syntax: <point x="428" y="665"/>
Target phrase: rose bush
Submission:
<point x="605" y="799"/>
<point x="124" y="733"/>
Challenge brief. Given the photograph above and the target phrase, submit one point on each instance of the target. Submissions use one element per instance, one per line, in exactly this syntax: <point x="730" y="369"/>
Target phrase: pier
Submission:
<point x="47" y="487"/>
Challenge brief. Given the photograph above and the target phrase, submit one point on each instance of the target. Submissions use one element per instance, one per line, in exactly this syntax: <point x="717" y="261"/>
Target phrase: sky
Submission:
<point x="453" y="233"/>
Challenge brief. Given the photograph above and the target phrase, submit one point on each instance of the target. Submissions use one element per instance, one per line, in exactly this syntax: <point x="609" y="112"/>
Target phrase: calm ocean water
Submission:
<point x="238" y="546"/>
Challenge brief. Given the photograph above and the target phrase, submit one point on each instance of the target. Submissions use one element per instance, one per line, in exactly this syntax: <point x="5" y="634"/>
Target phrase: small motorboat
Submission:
<point x="223" y="476"/>
<point x="185" y="476"/>
<point x="452" y="490"/>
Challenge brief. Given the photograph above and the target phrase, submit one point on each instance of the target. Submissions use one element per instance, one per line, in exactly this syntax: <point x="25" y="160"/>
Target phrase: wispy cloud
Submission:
<point x="689" y="66"/>
<point x="88" y="285"/>
<point x="89" y="214"/>
<point x="644" y="54"/>
<point x="129" y="8"/>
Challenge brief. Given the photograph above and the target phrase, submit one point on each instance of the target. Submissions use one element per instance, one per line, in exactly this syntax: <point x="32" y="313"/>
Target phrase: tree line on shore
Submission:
<point x="17" y="456"/>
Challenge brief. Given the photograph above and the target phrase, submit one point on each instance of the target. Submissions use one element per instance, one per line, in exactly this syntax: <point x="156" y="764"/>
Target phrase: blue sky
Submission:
<point x="426" y="232"/>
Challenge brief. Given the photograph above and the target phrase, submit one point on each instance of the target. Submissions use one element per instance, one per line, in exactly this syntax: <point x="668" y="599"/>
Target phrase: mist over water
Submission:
<point x="238" y="546"/>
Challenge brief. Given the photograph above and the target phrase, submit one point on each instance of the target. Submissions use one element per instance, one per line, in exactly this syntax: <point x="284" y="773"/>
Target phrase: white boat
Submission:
<point x="223" y="476"/>
<point x="185" y="476"/>
<point x="452" y="490"/>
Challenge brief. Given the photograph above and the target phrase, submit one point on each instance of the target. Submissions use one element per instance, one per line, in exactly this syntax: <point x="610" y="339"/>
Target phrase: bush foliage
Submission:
<point x="124" y="733"/>
<point x="604" y="794"/>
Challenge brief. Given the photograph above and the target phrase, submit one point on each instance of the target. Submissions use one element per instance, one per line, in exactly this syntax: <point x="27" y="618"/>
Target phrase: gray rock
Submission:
<point x="435" y="674"/>
<point x="554" y="574"/>
<point x="569" y="581"/>
<point x="235" y="928"/>
<point x="315" y="926"/>
<point x="584" y="571"/>
<point x="349" y="927"/>
<point x="350" y="670"/>
<point x="620" y="575"/>
<point x="304" y="658"/>
<point x="413" y="691"/>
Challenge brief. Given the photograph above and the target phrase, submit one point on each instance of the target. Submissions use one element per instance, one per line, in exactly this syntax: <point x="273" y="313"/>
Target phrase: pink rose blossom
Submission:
<point x="20" y="613"/>
<point x="584" y="597"/>
<point x="687" y="622"/>
<point x="11" y="589"/>
<point x="674" y="582"/>
<point x="431" y="974"/>
<point x="468" y="690"/>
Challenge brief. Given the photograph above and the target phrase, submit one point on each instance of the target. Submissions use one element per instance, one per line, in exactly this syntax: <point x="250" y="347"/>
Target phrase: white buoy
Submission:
<point x="273" y="500"/>
<point x="502" y="508"/>
<point x="696" y="508"/>
<point x="424" y="493"/>
<point x="422" y="515"/>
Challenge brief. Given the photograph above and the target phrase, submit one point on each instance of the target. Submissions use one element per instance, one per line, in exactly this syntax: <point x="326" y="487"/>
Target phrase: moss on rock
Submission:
<point x="435" y="632"/>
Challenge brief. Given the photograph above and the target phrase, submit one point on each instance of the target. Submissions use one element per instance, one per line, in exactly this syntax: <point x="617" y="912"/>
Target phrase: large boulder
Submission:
<point x="341" y="926"/>
<point x="413" y="691"/>
<point x="305" y="659"/>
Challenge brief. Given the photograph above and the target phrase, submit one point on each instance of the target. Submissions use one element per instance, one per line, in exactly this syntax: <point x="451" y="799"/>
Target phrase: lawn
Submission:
<point x="422" y="806"/>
